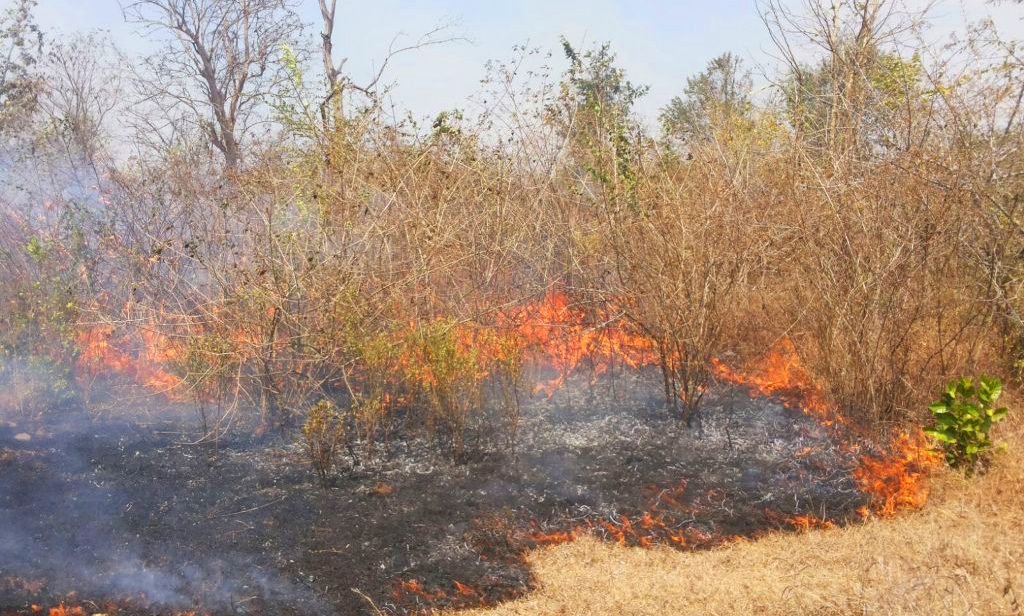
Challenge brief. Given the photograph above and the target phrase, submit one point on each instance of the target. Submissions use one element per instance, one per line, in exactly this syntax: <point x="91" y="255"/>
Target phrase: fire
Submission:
<point x="781" y="374"/>
<point x="805" y="522"/>
<point x="895" y="481"/>
<point x="899" y="480"/>
<point x="415" y="587"/>
<point x="558" y="332"/>
<point x="97" y="354"/>
<point x="555" y="537"/>
<point x="100" y="354"/>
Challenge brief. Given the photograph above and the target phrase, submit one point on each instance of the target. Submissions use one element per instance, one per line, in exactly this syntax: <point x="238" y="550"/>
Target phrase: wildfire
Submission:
<point x="415" y="587"/>
<point x="894" y="481"/>
<point x="78" y="610"/>
<point x="899" y="480"/>
<point x="564" y="336"/>
<point x="558" y="333"/>
<point x="99" y="353"/>
<point x="781" y="374"/>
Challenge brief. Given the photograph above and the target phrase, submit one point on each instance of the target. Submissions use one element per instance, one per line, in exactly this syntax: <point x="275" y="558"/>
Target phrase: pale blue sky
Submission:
<point x="659" y="42"/>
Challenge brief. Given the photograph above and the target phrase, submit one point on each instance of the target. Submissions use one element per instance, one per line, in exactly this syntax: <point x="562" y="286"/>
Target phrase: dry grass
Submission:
<point x="962" y="554"/>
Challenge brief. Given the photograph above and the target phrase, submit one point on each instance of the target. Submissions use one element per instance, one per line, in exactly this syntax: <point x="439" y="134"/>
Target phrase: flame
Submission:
<point x="97" y="354"/>
<point x="100" y="354"/>
<point x="557" y="331"/>
<point x="78" y="610"/>
<point x="780" y="374"/>
<point x="898" y="480"/>
<point x="415" y="587"/>
<point x="555" y="537"/>
<point x="893" y="481"/>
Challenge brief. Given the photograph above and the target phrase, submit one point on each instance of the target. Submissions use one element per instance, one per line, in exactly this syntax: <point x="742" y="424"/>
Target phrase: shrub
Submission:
<point x="963" y="419"/>
<point x="324" y="430"/>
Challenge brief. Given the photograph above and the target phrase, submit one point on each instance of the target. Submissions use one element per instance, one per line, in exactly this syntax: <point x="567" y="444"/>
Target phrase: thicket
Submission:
<point x="866" y="206"/>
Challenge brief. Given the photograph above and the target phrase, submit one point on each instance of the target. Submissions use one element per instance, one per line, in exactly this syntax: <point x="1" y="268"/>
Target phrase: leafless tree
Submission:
<point x="337" y="82"/>
<point x="83" y="89"/>
<point x="218" y="65"/>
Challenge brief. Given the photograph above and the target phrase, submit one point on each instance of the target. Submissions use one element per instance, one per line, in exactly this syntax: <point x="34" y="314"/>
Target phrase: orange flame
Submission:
<point x="558" y="332"/>
<point x="895" y="481"/>
<point x="99" y="354"/>
<point x="415" y="587"/>
<point x="781" y="374"/>
<point x="899" y="480"/>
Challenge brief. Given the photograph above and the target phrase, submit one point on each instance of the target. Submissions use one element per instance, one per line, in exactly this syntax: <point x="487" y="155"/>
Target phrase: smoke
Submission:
<point x="78" y="511"/>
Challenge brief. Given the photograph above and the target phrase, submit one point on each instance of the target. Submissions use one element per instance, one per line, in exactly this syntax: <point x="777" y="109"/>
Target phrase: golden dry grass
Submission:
<point x="961" y="554"/>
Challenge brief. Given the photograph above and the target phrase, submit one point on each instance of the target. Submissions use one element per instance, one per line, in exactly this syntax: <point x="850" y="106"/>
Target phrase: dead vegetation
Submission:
<point x="269" y="240"/>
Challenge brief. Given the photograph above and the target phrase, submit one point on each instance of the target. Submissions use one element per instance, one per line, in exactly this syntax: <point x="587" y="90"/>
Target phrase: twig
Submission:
<point x="368" y="600"/>
<point x="225" y="515"/>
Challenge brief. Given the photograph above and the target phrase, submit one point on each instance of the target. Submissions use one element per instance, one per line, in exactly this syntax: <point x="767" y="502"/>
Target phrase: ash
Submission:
<point x="124" y="516"/>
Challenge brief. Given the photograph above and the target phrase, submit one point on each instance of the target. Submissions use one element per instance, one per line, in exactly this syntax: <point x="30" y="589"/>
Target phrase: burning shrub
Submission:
<point x="324" y="430"/>
<point x="963" y="419"/>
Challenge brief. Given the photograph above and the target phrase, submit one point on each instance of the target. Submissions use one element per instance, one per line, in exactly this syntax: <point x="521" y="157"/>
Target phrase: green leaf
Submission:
<point x="940" y="436"/>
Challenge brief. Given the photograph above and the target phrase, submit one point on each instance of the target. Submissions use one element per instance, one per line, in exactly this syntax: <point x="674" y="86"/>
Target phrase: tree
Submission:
<point x="594" y="115"/>
<point x="332" y="106"/>
<point x="81" y="91"/>
<point x="719" y="95"/>
<point x="860" y="89"/>
<point x="218" y="65"/>
<point x="21" y="47"/>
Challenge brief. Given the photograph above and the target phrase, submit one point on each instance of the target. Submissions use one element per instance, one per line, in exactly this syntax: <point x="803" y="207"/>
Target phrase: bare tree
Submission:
<point x="82" y="90"/>
<point x="219" y="63"/>
<point x="338" y="83"/>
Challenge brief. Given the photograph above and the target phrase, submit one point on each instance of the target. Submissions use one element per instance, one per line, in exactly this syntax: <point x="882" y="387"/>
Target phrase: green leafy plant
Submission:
<point x="964" y="418"/>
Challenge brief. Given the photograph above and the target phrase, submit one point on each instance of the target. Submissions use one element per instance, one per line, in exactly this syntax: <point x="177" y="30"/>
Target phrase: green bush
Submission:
<point x="964" y="418"/>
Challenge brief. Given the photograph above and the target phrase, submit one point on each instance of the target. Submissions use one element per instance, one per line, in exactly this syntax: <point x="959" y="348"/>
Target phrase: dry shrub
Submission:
<point x="883" y="309"/>
<point x="324" y="431"/>
<point x="870" y="214"/>
<point x="679" y="266"/>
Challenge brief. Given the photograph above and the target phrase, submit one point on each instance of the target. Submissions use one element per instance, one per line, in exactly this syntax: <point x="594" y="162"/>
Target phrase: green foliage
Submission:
<point x="595" y="114"/>
<point x="717" y="97"/>
<point x="963" y="419"/>
<point x="324" y="430"/>
<point x="447" y="376"/>
<point x="21" y="48"/>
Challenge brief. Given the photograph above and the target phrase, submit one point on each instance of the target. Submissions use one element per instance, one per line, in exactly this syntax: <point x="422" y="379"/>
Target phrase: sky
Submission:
<point x="658" y="42"/>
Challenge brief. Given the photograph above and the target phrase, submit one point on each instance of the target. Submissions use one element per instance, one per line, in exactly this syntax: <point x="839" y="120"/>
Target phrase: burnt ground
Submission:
<point x="121" y="515"/>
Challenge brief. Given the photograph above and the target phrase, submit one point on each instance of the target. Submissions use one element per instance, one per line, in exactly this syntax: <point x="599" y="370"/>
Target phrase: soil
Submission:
<point x="120" y="515"/>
